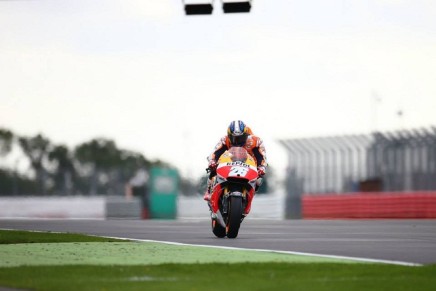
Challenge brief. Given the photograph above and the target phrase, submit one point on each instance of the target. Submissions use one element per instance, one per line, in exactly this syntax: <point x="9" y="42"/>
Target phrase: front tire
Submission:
<point x="234" y="216"/>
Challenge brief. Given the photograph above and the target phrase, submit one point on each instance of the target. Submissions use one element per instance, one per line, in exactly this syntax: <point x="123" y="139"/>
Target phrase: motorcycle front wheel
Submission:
<point x="234" y="216"/>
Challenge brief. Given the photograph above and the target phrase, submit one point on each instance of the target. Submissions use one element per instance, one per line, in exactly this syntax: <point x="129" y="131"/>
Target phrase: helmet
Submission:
<point x="237" y="133"/>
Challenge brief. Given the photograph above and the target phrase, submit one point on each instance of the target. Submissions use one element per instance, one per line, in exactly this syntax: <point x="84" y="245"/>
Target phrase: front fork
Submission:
<point x="219" y="197"/>
<point x="221" y="204"/>
<point x="227" y="194"/>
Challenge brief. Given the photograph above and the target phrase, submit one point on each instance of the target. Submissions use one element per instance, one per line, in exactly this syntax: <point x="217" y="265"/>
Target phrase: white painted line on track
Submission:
<point x="366" y="260"/>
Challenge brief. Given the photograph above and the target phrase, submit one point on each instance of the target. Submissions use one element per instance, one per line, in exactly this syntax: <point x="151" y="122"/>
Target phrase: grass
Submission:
<point x="267" y="275"/>
<point x="251" y="276"/>
<point x="18" y="237"/>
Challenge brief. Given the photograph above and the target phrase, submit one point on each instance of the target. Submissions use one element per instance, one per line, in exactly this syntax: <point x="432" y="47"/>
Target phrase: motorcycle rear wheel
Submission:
<point x="234" y="216"/>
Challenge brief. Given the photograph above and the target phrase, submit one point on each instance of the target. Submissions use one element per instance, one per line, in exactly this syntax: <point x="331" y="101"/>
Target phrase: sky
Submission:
<point x="167" y="85"/>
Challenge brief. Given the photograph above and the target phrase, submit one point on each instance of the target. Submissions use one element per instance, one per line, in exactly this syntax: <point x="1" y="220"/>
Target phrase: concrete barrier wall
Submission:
<point x="272" y="206"/>
<point x="119" y="207"/>
<point x="101" y="207"/>
<point x="53" y="207"/>
<point x="370" y="205"/>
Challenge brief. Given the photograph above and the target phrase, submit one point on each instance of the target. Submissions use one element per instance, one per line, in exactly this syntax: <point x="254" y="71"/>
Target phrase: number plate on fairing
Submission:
<point x="238" y="171"/>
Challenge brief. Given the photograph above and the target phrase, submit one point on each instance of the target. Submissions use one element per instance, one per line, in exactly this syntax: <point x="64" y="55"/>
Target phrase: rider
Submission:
<point x="238" y="134"/>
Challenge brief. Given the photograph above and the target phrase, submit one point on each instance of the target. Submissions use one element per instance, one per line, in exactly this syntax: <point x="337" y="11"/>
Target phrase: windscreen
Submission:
<point x="238" y="154"/>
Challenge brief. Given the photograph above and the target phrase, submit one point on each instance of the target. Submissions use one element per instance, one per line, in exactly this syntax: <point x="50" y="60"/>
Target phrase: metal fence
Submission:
<point x="390" y="161"/>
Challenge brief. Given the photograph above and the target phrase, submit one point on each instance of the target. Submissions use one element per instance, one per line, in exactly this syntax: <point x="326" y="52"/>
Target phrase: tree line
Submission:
<point x="97" y="166"/>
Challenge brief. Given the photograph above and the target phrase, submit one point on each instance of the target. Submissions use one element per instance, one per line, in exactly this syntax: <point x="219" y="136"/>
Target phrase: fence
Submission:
<point x="399" y="168"/>
<point x="391" y="161"/>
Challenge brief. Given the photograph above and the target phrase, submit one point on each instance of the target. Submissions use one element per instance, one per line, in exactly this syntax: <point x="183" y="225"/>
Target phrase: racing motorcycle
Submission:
<point x="233" y="189"/>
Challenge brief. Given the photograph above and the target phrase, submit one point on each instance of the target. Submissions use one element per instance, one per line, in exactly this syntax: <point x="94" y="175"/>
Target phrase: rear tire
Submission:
<point x="234" y="216"/>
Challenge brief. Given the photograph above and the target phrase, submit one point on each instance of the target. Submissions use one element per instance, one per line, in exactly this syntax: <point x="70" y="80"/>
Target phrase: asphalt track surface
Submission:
<point x="412" y="241"/>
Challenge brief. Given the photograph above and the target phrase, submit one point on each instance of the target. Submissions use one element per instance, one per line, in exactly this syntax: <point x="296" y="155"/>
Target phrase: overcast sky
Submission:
<point x="167" y="85"/>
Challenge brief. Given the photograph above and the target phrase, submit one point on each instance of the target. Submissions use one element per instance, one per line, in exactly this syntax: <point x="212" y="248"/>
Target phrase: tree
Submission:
<point x="6" y="139"/>
<point x="97" y="166"/>
<point x="131" y="162"/>
<point x="99" y="156"/>
<point x="36" y="149"/>
<point x="64" y="170"/>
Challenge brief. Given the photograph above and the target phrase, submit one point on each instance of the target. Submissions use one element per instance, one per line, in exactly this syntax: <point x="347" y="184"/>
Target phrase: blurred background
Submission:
<point x="95" y="94"/>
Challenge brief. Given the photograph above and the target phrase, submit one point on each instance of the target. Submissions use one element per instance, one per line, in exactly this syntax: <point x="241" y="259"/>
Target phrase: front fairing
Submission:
<point x="237" y="154"/>
<point x="236" y="162"/>
<point x="236" y="170"/>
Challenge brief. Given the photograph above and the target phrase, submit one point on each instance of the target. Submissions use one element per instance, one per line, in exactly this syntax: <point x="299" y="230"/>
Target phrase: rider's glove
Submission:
<point x="212" y="165"/>
<point x="261" y="171"/>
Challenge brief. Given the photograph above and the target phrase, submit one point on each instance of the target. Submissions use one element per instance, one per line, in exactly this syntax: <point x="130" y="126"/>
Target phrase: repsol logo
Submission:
<point x="238" y="164"/>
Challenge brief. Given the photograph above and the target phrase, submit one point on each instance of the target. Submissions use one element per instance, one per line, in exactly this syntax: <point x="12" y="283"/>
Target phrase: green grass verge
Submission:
<point x="251" y="276"/>
<point x="128" y="253"/>
<point x="18" y="236"/>
<point x="75" y="249"/>
<point x="80" y="262"/>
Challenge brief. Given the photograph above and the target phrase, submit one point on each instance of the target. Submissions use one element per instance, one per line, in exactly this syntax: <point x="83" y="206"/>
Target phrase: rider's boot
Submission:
<point x="208" y="193"/>
<point x="206" y="196"/>
<point x="259" y="182"/>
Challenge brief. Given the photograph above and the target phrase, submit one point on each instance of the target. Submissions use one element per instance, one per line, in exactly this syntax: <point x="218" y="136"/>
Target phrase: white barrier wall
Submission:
<point x="52" y="207"/>
<point x="83" y="207"/>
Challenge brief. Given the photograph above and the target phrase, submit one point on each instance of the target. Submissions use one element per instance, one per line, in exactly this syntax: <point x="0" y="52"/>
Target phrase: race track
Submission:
<point x="412" y="241"/>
